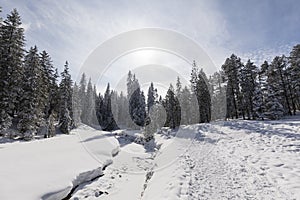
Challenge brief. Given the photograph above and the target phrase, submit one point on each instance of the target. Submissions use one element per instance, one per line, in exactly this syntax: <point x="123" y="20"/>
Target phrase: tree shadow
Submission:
<point x="98" y="137"/>
<point x="264" y="128"/>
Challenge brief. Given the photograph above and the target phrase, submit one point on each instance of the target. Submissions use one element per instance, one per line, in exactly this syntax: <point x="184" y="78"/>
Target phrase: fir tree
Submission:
<point x="178" y="86"/>
<point x="203" y="97"/>
<point x="11" y="70"/>
<point x="49" y="85"/>
<point x="218" y="96"/>
<point x="32" y="112"/>
<point x="274" y="109"/>
<point x="83" y="98"/>
<point x="151" y="97"/>
<point x="248" y="86"/>
<point x="76" y="105"/>
<point x="172" y="107"/>
<point x="108" y="122"/>
<point x="294" y="71"/>
<point x="156" y="118"/>
<point x="277" y="79"/>
<point x="199" y="86"/>
<point x="90" y="104"/>
<point x="65" y="91"/>
<point x="185" y="102"/>
<point x="137" y="104"/>
<point x="231" y="69"/>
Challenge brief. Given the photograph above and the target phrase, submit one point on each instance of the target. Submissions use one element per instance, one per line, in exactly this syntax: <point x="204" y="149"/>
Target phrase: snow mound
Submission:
<point x="51" y="168"/>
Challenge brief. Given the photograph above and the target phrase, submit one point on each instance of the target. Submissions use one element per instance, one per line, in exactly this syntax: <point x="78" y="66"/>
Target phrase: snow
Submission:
<point x="222" y="160"/>
<point x="50" y="168"/>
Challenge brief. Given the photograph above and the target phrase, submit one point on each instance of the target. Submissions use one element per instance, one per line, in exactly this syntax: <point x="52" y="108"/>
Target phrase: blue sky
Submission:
<point x="72" y="29"/>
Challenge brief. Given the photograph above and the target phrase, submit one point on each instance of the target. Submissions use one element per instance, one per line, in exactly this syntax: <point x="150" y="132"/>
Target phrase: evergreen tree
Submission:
<point x="76" y="105"/>
<point x="231" y="69"/>
<point x="55" y="99"/>
<point x="123" y="109"/>
<point x="199" y="86"/>
<point x="151" y="97"/>
<point x="294" y="71"/>
<point x="99" y="106"/>
<point x="49" y="86"/>
<point x="248" y="86"/>
<point x="66" y="111"/>
<point x="203" y="97"/>
<point x="90" y="104"/>
<point x="218" y="96"/>
<point x="94" y="115"/>
<point x="194" y="75"/>
<point x="261" y="92"/>
<point x="156" y="118"/>
<point x="258" y="103"/>
<point x="83" y="98"/>
<point x="274" y="109"/>
<point x="276" y="78"/>
<point x="173" y="110"/>
<point x="115" y="105"/>
<point x="108" y="122"/>
<point x="32" y="113"/>
<point x="137" y="105"/>
<point x="178" y="86"/>
<point x="185" y="102"/>
<point x="11" y="70"/>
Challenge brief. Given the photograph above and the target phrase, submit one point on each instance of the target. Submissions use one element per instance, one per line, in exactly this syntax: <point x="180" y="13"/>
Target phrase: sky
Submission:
<point x="72" y="30"/>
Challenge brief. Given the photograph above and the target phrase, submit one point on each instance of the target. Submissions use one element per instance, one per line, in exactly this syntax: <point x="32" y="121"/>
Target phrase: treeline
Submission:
<point x="31" y="99"/>
<point x="179" y="106"/>
<point x="34" y="100"/>
<point x="271" y="91"/>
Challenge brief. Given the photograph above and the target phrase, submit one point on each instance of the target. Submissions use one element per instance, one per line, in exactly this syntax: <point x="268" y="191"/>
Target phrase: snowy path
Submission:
<point x="236" y="160"/>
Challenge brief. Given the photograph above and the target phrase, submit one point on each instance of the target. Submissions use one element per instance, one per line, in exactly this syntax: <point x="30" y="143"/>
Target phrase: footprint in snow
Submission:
<point x="279" y="165"/>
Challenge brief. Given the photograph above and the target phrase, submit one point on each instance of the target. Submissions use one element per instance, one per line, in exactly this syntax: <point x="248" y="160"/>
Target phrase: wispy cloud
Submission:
<point x="71" y="30"/>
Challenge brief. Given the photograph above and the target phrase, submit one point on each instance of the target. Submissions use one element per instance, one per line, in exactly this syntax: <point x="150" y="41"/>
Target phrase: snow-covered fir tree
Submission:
<point x="231" y="69"/>
<point x="274" y="109"/>
<point x="90" y="105"/>
<point x="248" y="76"/>
<point x="83" y="98"/>
<point x="185" y="102"/>
<point x="11" y="69"/>
<point x="107" y="119"/>
<point x="200" y="87"/>
<point x="66" y="110"/>
<point x="218" y="96"/>
<point x="294" y="72"/>
<point x="203" y="97"/>
<point x="152" y="95"/>
<point x="155" y="120"/>
<point x="49" y="81"/>
<point x="278" y="80"/>
<point x="32" y="113"/>
<point x="76" y="105"/>
<point x="172" y="108"/>
<point x="137" y="104"/>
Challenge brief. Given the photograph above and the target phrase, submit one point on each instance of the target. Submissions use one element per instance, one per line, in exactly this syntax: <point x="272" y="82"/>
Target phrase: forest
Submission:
<point x="38" y="101"/>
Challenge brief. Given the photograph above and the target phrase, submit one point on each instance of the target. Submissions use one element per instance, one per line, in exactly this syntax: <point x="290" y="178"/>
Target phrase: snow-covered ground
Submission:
<point x="50" y="168"/>
<point x="221" y="160"/>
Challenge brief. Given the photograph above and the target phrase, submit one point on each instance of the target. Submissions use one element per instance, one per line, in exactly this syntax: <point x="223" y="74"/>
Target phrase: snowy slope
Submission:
<point x="222" y="160"/>
<point x="49" y="168"/>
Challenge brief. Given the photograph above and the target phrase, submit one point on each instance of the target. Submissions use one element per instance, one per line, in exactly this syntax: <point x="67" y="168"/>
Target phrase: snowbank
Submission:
<point x="50" y="168"/>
